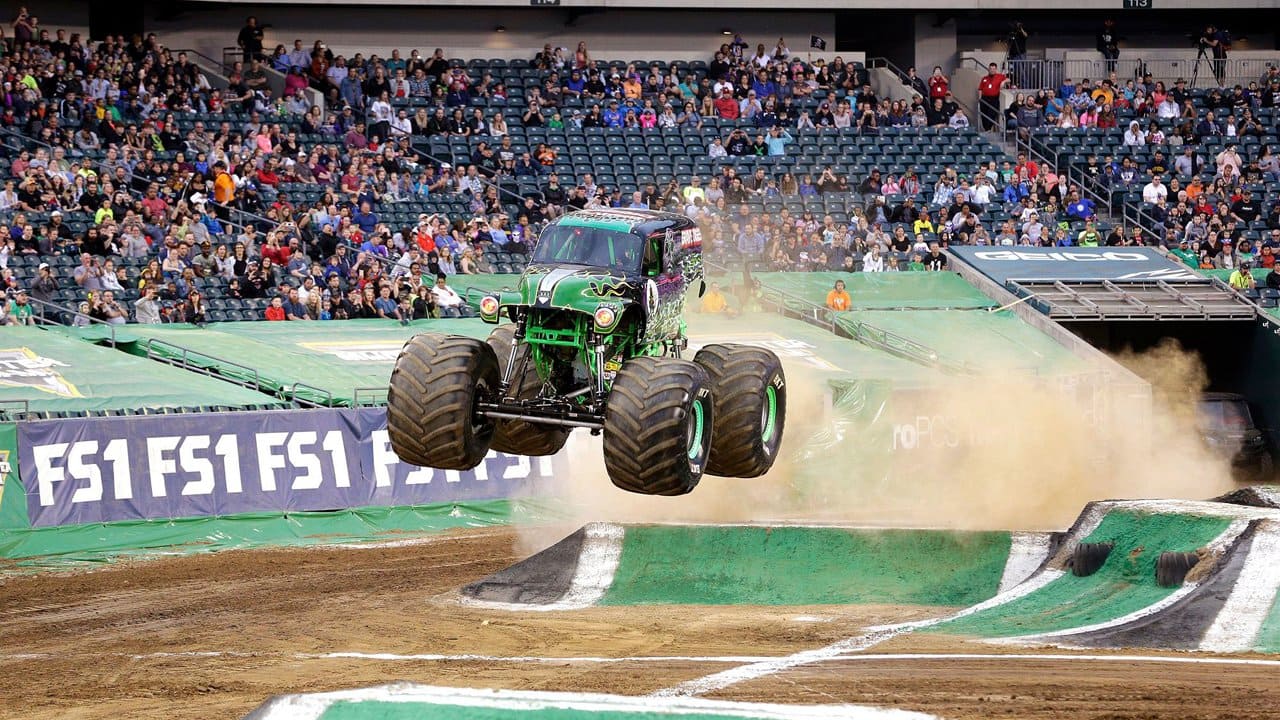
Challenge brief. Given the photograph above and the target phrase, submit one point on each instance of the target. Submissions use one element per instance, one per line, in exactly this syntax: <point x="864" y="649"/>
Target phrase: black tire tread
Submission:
<point x="519" y="437"/>
<point x="644" y="429"/>
<point x="429" y="401"/>
<point x="739" y="375"/>
<point x="1089" y="557"/>
<point x="1172" y="567"/>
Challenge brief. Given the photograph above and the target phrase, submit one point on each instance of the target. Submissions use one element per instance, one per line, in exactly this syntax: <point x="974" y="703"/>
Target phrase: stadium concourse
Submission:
<point x="203" y="515"/>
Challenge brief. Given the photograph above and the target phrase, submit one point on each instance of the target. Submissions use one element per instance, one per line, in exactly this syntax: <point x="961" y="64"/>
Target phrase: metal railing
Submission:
<point x="1199" y="71"/>
<point x="835" y="322"/>
<point x="231" y="371"/>
<point x="369" y="397"/>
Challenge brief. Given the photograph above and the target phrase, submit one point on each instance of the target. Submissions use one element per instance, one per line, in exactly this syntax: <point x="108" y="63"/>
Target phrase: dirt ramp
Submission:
<point x="1264" y="496"/>
<point x="605" y="564"/>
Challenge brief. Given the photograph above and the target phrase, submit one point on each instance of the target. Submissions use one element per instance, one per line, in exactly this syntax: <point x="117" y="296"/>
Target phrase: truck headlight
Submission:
<point x="605" y="317"/>
<point x="489" y="305"/>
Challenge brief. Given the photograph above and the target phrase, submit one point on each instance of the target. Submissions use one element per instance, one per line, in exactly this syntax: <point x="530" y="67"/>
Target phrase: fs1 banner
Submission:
<point x="174" y="466"/>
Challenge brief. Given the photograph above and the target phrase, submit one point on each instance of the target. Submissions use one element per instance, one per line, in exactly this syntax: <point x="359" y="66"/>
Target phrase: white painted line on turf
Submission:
<point x="310" y="707"/>
<point x="1027" y="551"/>
<point x="874" y="635"/>
<point x="597" y="563"/>
<point x="1252" y="597"/>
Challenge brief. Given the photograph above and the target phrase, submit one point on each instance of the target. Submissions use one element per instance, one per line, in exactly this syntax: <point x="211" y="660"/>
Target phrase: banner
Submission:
<point x="201" y="465"/>
<point x="8" y="465"/>
<point x="1072" y="263"/>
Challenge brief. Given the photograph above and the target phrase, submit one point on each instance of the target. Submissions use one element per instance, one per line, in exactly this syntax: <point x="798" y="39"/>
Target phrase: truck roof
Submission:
<point x="644" y="221"/>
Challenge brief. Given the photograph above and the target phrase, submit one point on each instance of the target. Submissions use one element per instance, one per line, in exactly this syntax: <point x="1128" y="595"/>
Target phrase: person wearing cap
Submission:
<point x="1242" y="277"/>
<point x="1185" y="254"/>
<point x="1246" y="209"/>
<point x="20" y="310"/>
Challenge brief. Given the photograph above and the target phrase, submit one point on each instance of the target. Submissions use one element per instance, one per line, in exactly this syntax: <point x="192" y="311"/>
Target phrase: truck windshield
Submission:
<point x="1225" y="415"/>
<point x="596" y="247"/>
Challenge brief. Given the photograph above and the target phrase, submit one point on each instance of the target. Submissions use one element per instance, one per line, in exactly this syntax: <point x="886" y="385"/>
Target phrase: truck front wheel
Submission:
<point x="431" y="404"/>
<point x="658" y="426"/>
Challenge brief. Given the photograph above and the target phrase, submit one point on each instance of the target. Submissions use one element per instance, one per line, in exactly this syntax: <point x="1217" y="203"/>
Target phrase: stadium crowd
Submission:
<point x="134" y="187"/>
<point x="1197" y="168"/>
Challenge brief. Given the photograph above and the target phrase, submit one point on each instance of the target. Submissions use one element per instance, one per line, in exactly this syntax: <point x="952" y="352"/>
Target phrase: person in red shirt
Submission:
<point x="726" y="106"/>
<point x="274" y="251"/>
<point x="1029" y="167"/>
<point x="939" y="85"/>
<point x="989" y="95"/>
<point x="276" y="310"/>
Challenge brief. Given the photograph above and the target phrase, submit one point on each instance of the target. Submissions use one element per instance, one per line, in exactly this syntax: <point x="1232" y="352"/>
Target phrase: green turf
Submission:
<point x="705" y="565"/>
<point x="937" y="290"/>
<point x="1269" y="636"/>
<point x="1125" y="583"/>
<point x="101" y="542"/>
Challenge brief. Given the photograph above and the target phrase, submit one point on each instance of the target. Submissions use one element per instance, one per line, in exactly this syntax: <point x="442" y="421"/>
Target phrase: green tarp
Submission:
<point x="981" y="340"/>
<point x="882" y="291"/>
<point x="101" y="542"/>
<point x="320" y="362"/>
<point x="801" y="345"/>
<point x="55" y="373"/>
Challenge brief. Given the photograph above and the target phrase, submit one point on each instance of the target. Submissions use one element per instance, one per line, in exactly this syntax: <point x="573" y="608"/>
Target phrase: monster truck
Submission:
<point x="596" y="339"/>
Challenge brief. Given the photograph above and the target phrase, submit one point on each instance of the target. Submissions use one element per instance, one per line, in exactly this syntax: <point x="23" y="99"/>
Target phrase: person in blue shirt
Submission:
<point x="613" y="117"/>
<point x="365" y="218"/>
<point x="386" y="305"/>
<point x="776" y="141"/>
<point x="1014" y="192"/>
<point x="575" y="84"/>
<point x="1080" y="208"/>
<point x="763" y="86"/>
<point x="293" y="307"/>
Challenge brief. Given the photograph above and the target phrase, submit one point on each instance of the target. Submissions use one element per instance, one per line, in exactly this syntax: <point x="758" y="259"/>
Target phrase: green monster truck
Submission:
<point x="595" y="340"/>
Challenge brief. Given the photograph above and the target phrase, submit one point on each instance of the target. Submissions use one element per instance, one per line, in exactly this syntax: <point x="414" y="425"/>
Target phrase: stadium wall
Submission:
<point x="469" y="33"/>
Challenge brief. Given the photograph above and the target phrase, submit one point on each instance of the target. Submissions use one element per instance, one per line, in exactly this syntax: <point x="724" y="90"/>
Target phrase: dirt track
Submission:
<point x="117" y="643"/>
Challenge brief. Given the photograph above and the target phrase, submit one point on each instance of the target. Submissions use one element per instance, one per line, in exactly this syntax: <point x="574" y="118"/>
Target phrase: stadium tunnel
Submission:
<point x="1136" y="300"/>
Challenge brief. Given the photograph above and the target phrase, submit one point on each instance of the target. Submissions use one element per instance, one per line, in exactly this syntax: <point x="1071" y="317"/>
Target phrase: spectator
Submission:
<point x="989" y="96"/>
<point x="446" y="299"/>
<point x="250" y="40"/>
<point x="838" y="298"/>
<point x="275" y="311"/>
<point x="20" y="311"/>
<point x="147" y="307"/>
<point x="939" y="85"/>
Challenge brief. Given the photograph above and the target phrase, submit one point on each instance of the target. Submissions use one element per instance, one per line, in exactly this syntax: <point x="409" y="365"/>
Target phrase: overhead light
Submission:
<point x="726" y="31"/>
<point x="500" y="29"/>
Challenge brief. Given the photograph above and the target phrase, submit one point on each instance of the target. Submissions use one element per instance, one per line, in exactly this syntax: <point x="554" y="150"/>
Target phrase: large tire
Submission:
<point x="518" y="437"/>
<point x="658" y="426"/>
<point x="431" y="404"/>
<point x="1088" y="558"/>
<point x="749" y="391"/>
<point x="1172" y="567"/>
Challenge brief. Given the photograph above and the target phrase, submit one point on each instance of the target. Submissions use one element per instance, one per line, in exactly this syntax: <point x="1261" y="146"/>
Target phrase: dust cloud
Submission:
<point x="997" y="451"/>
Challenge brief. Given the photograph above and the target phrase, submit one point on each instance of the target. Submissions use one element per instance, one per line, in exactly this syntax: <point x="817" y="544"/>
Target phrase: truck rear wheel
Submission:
<point x="749" y="391"/>
<point x="658" y="426"/>
<point x="431" y="404"/>
<point x="518" y="437"/>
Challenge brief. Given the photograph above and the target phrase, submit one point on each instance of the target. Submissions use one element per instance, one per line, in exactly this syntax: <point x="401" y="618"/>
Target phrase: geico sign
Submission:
<point x="1065" y="255"/>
